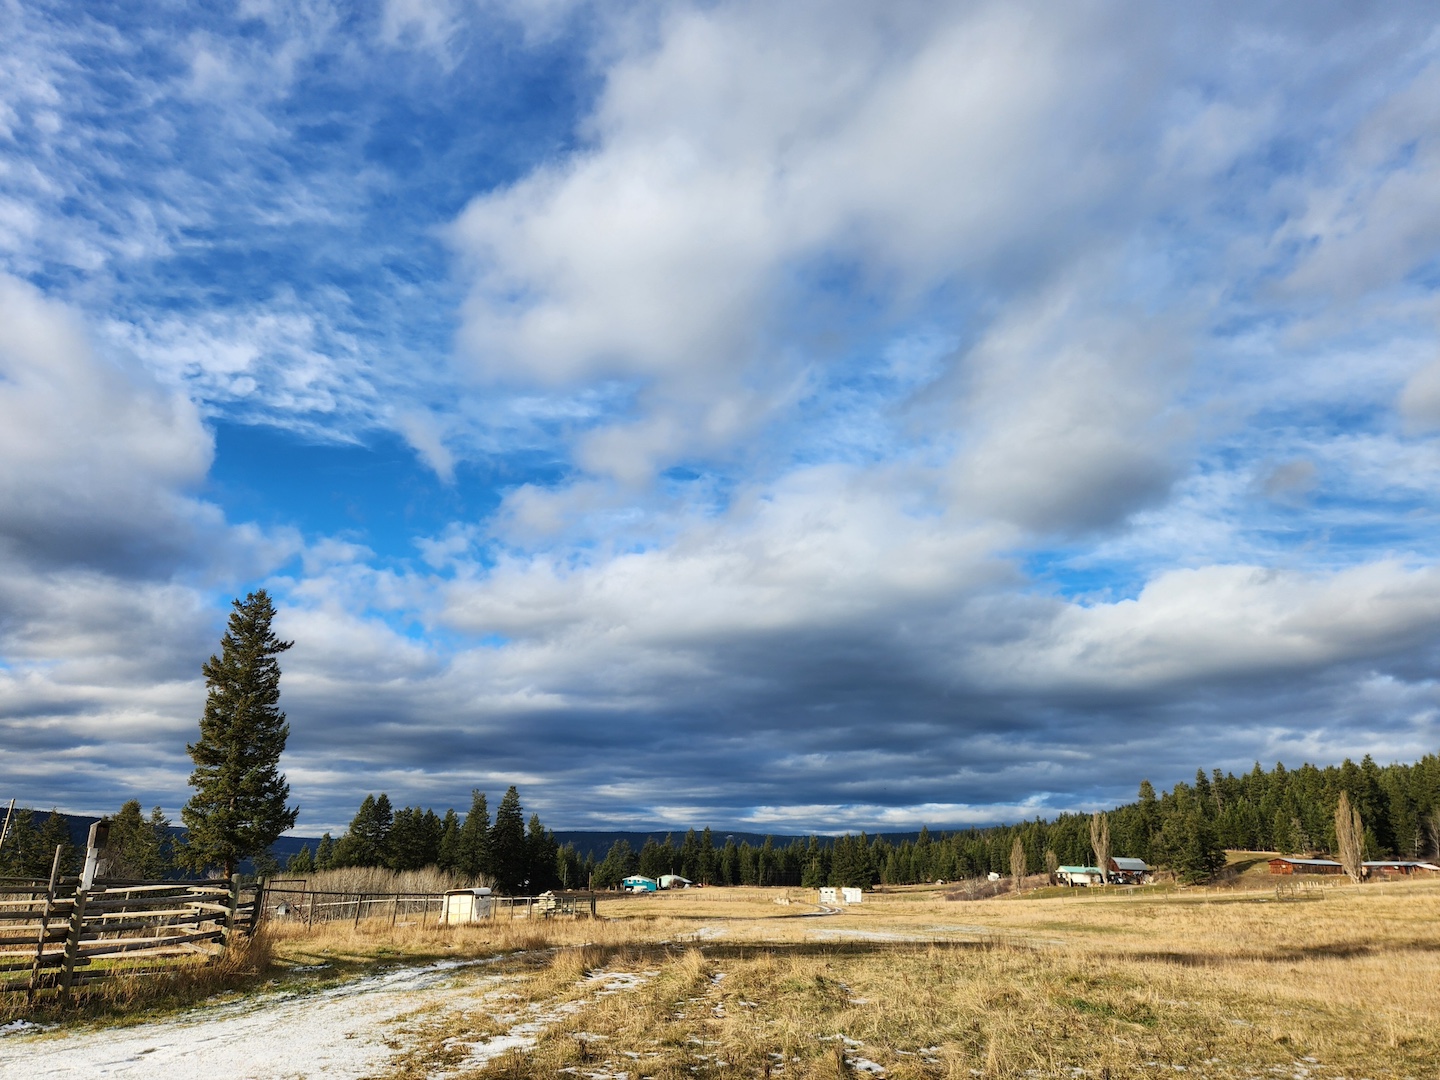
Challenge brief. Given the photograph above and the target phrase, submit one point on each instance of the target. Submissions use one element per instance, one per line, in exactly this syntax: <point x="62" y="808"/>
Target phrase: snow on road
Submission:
<point x="343" y="1033"/>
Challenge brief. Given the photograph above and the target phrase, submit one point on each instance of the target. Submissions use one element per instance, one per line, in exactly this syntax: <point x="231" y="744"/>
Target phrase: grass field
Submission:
<point x="1339" y="981"/>
<point x="1247" y="981"/>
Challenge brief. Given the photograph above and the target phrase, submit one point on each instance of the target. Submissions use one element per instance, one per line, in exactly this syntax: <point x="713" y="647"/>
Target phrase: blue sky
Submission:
<point x="783" y="417"/>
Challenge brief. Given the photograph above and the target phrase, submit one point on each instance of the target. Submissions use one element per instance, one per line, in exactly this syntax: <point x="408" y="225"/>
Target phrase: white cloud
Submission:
<point x="97" y="460"/>
<point x="1224" y="622"/>
<point x="1068" y="420"/>
<point x="752" y="148"/>
<point x="426" y="436"/>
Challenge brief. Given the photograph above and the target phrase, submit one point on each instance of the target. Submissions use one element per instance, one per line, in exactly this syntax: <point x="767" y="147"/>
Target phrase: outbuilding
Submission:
<point x="637" y="883"/>
<point x="1124" y="871"/>
<point x="1400" y="867"/>
<point x="1288" y="865"/>
<point x="674" y="881"/>
<point x="466" y="905"/>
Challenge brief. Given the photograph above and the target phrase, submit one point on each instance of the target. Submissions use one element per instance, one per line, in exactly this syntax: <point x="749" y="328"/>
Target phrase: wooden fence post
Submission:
<point x="44" y="929"/>
<point x="72" y="944"/>
<point x="257" y="913"/>
<point x="232" y="901"/>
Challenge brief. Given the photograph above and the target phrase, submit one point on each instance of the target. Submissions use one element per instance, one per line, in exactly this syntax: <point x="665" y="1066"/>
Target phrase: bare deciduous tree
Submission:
<point x="1052" y="865"/>
<point x="1350" y="838"/>
<point x="1017" y="863"/>
<point x="1432" y="826"/>
<point x="1100" y="841"/>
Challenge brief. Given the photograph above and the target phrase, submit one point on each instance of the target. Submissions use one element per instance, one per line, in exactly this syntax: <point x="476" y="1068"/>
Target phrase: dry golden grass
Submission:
<point x="376" y="880"/>
<point x="183" y="980"/>
<point x="1343" y="981"/>
<point x="1224" y="984"/>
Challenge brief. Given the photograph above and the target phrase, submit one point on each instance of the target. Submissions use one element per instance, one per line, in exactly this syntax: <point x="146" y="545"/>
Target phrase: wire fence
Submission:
<point x="292" y="900"/>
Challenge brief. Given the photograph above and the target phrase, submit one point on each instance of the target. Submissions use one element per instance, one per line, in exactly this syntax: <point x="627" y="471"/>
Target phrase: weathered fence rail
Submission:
<point x="56" y="935"/>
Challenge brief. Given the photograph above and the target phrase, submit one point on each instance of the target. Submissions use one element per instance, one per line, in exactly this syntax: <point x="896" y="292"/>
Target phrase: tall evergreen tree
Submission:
<point x="55" y="833"/>
<point x="325" y="853"/>
<point x="367" y="843"/>
<point x="239" y="806"/>
<point x="619" y="863"/>
<point x="540" y="852"/>
<point x="448" y="856"/>
<point x="300" y="862"/>
<point x="475" y="855"/>
<point x="407" y="848"/>
<point x="137" y="847"/>
<point x="705" y="872"/>
<point x="25" y="854"/>
<point x="570" y="868"/>
<point x="507" y="845"/>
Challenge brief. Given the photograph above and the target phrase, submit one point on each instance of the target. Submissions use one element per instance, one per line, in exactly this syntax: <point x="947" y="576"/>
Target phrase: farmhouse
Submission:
<point x="639" y="883"/>
<point x="1079" y="875"/>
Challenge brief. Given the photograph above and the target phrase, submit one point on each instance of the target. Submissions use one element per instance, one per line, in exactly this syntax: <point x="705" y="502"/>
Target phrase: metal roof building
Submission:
<point x="1287" y="865"/>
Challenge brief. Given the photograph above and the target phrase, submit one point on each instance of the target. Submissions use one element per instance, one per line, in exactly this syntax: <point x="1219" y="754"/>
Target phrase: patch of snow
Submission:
<point x="20" y="1027"/>
<point x="524" y="1035"/>
<point x="339" y="1033"/>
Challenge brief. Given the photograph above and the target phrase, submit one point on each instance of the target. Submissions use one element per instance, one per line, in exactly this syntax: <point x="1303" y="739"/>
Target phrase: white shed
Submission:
<point x="466" y="905"/>
<point x="674" y="881"/>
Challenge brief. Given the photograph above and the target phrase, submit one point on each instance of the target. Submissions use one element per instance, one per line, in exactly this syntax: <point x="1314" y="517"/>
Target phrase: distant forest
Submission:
<point x="1186" y="829"/>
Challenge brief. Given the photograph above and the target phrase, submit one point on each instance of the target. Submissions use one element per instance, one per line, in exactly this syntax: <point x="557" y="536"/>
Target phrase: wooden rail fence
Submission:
<point x="55" y="935"/>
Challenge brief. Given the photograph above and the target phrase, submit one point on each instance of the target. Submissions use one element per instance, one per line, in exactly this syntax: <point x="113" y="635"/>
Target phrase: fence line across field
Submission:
<point x="289" y="900"/>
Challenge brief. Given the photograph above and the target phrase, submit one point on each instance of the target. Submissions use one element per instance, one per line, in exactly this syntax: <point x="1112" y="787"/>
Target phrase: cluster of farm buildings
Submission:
<point x="641" y="883"/>
<point x="1122" y="871"/>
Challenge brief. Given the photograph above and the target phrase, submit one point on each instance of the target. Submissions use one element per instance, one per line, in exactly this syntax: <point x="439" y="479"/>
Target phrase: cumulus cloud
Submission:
<point x="1227" y="621"/>
<point x="1069" y="421"/>
<point x="97" y="459"/>
<point x="754" y="151"/>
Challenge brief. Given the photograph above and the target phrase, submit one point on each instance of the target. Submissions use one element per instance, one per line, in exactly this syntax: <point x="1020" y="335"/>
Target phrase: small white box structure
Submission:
<point x="827" y="896"/>
<point x="851" y="896"/>
<point x="466" y="906"/>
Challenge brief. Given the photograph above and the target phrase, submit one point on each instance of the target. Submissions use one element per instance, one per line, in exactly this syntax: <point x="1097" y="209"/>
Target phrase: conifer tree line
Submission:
<point x="1186" y="830"/>
<point x="141" y="845"/>
<point x="514" y="857"/>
